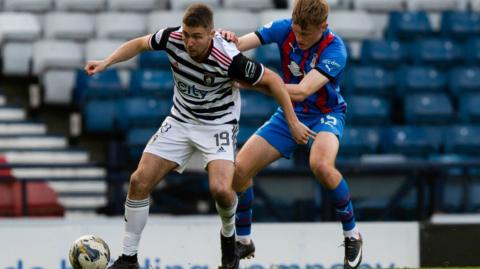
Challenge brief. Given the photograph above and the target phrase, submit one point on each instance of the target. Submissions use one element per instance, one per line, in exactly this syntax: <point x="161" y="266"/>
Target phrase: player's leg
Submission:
<point x="322" y="163"/>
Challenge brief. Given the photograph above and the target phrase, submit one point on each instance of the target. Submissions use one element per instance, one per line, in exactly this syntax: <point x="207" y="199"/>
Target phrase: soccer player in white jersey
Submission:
<point x="204" y="117"/>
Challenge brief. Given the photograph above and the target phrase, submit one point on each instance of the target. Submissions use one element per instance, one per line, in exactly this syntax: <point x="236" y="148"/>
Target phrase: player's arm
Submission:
<point x="243" y="43"/>
<point x="126" y="51"/>
<point x="311" y="83"/>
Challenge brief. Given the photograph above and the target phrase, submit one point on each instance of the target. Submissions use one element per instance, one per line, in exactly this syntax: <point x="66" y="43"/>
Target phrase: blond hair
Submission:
<point x="310" y="12"/>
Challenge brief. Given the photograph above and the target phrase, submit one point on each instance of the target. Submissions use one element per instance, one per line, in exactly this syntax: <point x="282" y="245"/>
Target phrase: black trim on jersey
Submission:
<point x="203" y="117"/>
<point x="177" y="118"/>
<point x="206" y="61"/>
<point x="324" y="73"/>
<point x="260" y="37"/>
<point x="244" y="69"/>
<point x="210" y="109"/>
<point x="178" y="110"/>
<point x="192" y="66"/>
<point x="198" y="103"/>
<point x="163" y="40"/>
<point x="194" y="78"/>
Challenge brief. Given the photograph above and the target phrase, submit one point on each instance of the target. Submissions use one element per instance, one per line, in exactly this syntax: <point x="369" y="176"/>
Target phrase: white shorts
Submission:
<point x="177" y="141"/>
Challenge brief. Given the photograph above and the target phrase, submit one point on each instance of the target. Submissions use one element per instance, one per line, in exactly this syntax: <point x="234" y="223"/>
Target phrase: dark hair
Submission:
<point x="310" y="12"/>
<point x="198" y="15"/>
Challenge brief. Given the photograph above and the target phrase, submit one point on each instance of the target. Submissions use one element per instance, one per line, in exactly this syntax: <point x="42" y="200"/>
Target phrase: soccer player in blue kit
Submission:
<point x="312" y="59"/>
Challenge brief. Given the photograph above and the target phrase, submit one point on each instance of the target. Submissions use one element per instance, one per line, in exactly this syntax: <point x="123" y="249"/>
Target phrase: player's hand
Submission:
<point x="229" y="36"/>
<point x="301" y="133"/>
<point x="93" y="67"/>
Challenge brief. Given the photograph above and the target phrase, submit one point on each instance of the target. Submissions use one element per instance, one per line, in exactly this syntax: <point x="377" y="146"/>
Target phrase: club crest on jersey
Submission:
<point x="295" y="69"/>
<point x="208" y="79"/>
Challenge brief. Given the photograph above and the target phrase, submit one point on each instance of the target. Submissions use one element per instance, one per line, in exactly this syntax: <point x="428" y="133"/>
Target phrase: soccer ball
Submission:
<point x="89" y="252"/>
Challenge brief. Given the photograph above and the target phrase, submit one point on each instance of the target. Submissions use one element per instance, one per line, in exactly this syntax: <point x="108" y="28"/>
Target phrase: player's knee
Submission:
<point x="222" y="194"/>
<point x="139" y="184"/>
<point x="321" y="169"/>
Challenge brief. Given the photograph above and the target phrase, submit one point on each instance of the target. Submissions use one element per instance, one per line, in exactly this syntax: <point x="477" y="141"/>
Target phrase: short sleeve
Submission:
<point x="158" y="41"/>
<point x="333" y="60"/>
<point x="274" y="32"/>
<point x="245" y="69"/>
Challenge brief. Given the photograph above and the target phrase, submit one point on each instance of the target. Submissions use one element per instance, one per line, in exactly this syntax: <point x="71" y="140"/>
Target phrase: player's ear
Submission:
<point x="212" y="33"/>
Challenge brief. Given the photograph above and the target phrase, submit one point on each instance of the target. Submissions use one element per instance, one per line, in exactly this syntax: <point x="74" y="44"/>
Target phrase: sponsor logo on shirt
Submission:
<point x="190" y="90"/>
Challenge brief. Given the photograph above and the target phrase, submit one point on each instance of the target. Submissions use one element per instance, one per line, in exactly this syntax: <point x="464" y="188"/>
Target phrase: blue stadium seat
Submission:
<point x="360" y="140"/>
<point x="471" y="52"/>
<point x="246" y="130"/>
<point x="413" y="140"/>
<point x="158" y="82"/>
<point x="460" y="24"/>
<point x="438" y="52"/>
<point x="136" y="140"/>
<point x="371" y="80"/>
<point x="384" y="52"/>
<point x="418" y="79"/>
<point x="141" y="111"/>
<point x="463" y="139"/>
<point x="368" y="110"/>
<point x="469" y="108"/>
<point x="256" y="107"/>
<point x="269" y="55"/>
<point x="99" y="116"/>
<point x="434" y="108"/>
<point x="464" y="80"/>
<point x="104" y="84"/>
<point x="154" y="60"/>
<point x="408" y="25"/>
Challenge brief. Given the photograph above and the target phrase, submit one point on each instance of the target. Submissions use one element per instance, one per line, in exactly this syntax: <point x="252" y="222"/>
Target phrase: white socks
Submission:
<point x="228" y="218"/>
<point x="352" y="233"/>
<point x="136" y="214"/>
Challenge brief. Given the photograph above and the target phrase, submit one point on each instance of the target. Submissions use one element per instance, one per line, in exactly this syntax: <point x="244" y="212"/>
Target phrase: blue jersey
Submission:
<point x="328" y="56"/>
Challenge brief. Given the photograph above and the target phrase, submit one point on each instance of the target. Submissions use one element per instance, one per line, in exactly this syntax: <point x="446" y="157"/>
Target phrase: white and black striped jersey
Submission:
<point x="204" y="92"/>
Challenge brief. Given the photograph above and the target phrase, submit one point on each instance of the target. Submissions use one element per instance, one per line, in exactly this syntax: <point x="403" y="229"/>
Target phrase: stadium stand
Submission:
<point x="80" y="5"/>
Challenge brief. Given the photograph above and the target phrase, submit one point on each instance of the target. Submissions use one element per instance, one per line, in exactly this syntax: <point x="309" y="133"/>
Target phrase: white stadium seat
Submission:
<point x="12" y="114"/>
<point x="57" y="54"/>
<point x="28" y="5"/>
<point x="352" y="25"/>
<point x="475" y="4"/>
<point x="22" y="128"/>
<point x="379" y="5"/>
<point x="64" y="25"/>
<point x="436" y="5"/>
<point x="80" y="5"/>
<point x="18" y="26"/>
<point x="228" y="19"/>
<point x="17" y="58"/>
<point x="32" y="142"/>
<point x="120" y="25"/>
<point x="98" y="49"/>
<point x="58" y="85"/>
<point x="334" y="4"/>
<point x="273" y="15"/>
<point x="162" y="19"/>
<point x="182" y="4"/>
<point x="248" y="4"/>
<point x="136" y="5"/>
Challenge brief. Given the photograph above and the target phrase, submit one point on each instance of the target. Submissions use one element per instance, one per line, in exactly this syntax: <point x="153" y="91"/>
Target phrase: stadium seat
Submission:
<point x="154" y="60"/>
<point x="58" y="85"/>
<point x="18" y="27"/>
<point x="408" y="25"/>
<point x="269" y="55"/>
<point x="379" y="5"/>
<point x="412" y="140"/>
<point x="371" y="80"/>
<point x="463" y="139"/>
<point x="92" y="123"/>
<point x="17" y="58"/>
<point x="80" y="5"/>
<point x="228" y="19"/>
<point x="158" y="82"/>
<point x="421" y="79"/>
<point x="345" y="24"/>
<point x="273" y="15"/>
<point x="120" y="25"/>
<point x="11" y="114"/>
<point x="357" y="141"/>
<point x="436" y="5"/>
<point x="256" y="108"/>
<point x="140" y="111"/>
<point x="183" y="4"/>
<point x="460" y="24"/>
<point x="105" y="84"/>
<point x="464" y="80"/>
<point x="469" y="108"/>
<point x="433" y="108"/>
<point x="162" y="19"/>
<point x="22" y="128"/>
<point x="439" y="52"/>
<point x="28" y="5"/>
<point x="41" y="200"/>
<point x="64" y="25"/>
<point x="136" y="5"/>
<point x="101" y="48"/>
<point x="471" y="51"/>
<point x="32" y="142"/>
<point x="248" y="4"/>
<point x="368" y="110"/>
<point x="384" y="52"/>
<point x="57" y="54"/>
<point x="136" y="140"/>
<point x="475" y="4"/>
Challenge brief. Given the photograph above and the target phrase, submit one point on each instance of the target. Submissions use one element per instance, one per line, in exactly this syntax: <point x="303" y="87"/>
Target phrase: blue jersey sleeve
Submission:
<point x="333" y="59"/>
<point x="274" y="32"/>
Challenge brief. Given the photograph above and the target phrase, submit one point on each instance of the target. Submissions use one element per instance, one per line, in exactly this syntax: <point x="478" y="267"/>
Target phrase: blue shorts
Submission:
<point x="277" y="133"/>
